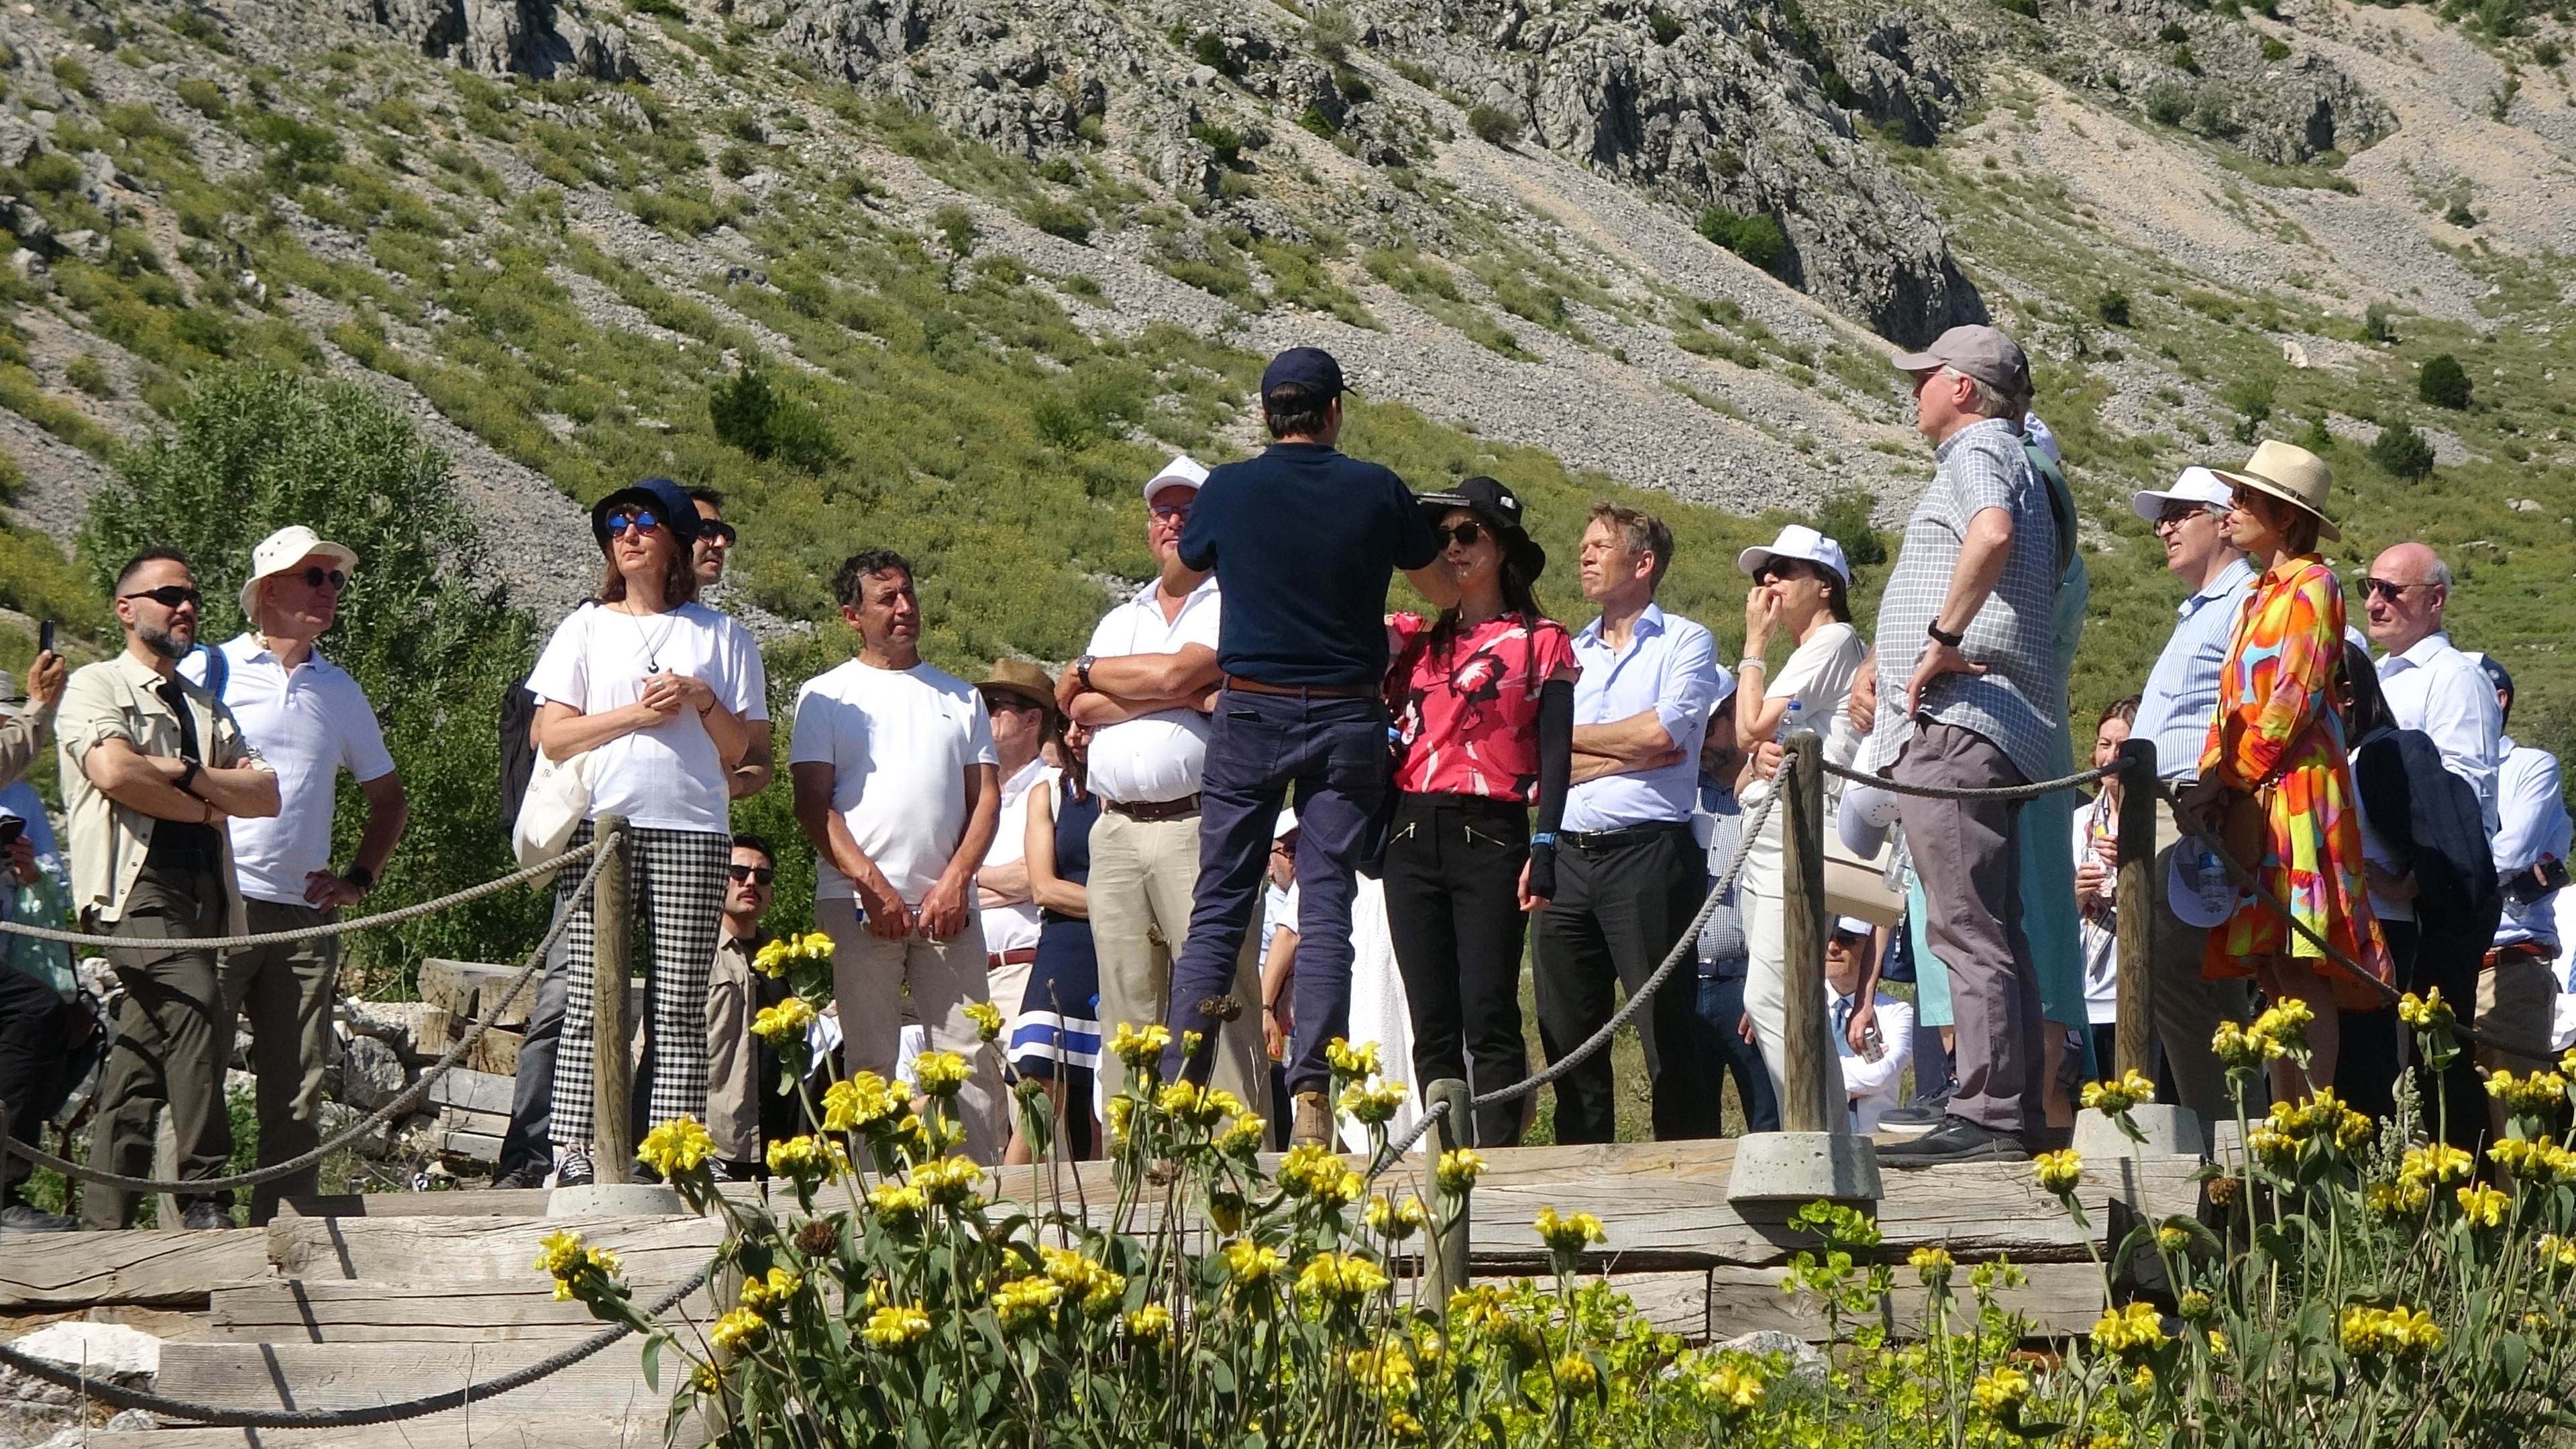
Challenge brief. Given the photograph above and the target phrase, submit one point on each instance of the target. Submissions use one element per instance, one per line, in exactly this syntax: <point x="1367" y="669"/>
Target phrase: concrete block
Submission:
<point x="1804" y="1166"/>
<point x="2171" y="1131"/>
<point x="616" y="1199"/>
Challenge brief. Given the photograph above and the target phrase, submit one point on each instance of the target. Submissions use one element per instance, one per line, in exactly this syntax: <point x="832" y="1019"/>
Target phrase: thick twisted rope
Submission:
<point x="309" y="933"/>
<point x="2007" y="793"/>
<point x="403" y="1103"/>
<point x="1684" y="949"/>
<point x="212" y="1416"/>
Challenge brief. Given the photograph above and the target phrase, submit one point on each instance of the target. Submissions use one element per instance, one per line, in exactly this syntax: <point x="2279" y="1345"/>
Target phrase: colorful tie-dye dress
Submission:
<point x="2277" y="724"/>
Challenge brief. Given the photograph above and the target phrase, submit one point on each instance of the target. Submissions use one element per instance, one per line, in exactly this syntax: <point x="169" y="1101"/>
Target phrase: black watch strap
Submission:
<point x="188" y="775"/>
<point x="1939" y="636"/>
<point x="359" y="876"/>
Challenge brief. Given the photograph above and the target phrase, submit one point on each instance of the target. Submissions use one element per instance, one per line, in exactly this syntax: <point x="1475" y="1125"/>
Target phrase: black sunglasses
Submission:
<point x="168" y="596"/>
<point x="757" y="874"/>
<point x="1782" y="570"/>
<point x="1463" y="534"/>
<point x="2386" y="589"/>
<point x="718" y="533"/>
<point x="638" y="518"/>
<point x="317" y="576"/>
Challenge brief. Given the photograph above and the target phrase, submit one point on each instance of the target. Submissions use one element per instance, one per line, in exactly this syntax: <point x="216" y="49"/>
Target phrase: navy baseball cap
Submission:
<point x="2497" y="674"/>
<point x="1308" y="369"/>
<point x="669" y="502"/>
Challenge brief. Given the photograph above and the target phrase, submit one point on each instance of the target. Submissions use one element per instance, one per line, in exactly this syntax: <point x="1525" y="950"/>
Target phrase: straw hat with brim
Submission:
<point x="2291" y="474"/>
<point x="1020" y="677"/>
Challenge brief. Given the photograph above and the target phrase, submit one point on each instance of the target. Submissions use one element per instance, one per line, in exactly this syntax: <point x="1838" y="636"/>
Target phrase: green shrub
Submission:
<point x="2274" y="50"/>
<point x="1332" y="32"/>
<point x="2459" y="215"/>
<point x="1663" y="27"/>
<point x="2251" y="397"/>
<point x="1757" y="238"/>
<point x="2173" y="33"/>
<point x="2027" y="9"/>
<point x="1209" y="49"/>
<point x="2378" y="323"/>
<point x="2443" y="382"/>
<point x="1354" y="86"/>
<point x="1415" y="72"/>
<point x="1493" y="127"/>
<point x="737" y="162"/>
<point x="1060" y="170"/>
<point x="750" y="414"/>
<point x="1314" y="120"/>
<point x="2402" y="451"/>
<point x="956" y="228"/>
<point x="1844" y="517"/>
<point x="2547" y="53"/>
<point x="72" y="75"/>
<point x="662" y="9"/>
<point x="88" y="374"/>
<point x="2168" y="104"/>
<point x="204" y="97"/>
<point x="1065" y="219"/>
<point x="2112" y="307"/>
<point x="1225" y="141"/>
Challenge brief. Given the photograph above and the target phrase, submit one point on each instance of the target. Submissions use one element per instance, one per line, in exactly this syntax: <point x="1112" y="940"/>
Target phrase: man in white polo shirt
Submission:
<point x="897" y="787"/>
<point x="1145" y="686"/>
<point x="310" y="721"/>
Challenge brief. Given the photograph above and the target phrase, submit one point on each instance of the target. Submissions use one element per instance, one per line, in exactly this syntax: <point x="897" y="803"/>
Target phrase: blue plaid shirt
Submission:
<point x="2182" y="690"/>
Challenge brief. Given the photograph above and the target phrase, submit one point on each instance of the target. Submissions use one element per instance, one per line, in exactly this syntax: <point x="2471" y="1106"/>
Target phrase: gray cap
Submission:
<point x="1980" y="352"/>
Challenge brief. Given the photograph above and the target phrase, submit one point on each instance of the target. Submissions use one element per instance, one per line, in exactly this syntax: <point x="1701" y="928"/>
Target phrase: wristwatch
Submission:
<point x="1940" y="636"/>
<point x="1082" y="669"/>
<point x="361" y="877"/>
<point x="187" y="775"/>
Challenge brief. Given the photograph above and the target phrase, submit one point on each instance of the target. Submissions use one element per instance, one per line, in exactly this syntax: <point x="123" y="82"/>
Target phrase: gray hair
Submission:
<point x="1988" y="402"/>
<point x="2439" y="573"/>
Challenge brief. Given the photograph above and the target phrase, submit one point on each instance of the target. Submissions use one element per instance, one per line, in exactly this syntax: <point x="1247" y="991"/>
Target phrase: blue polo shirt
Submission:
<point x="1304" y="542"/>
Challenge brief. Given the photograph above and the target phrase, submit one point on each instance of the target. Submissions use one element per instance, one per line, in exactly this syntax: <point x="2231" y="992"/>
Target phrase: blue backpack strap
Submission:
<point x="219" y="671"/>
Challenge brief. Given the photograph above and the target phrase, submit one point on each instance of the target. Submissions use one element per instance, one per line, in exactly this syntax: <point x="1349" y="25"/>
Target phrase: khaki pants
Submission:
<point x="2186" y="1006"/>
<point x="1139" y="890"/>
<point x="170" y="1043"/>
<point x="287" y="991"/>
<point x="2517" y="1006"/>
<point x="734" y="1088"/>
<point x="879" y="983"/>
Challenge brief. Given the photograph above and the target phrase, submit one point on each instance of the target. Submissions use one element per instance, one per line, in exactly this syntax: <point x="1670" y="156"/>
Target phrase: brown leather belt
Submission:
<point x="1332" y="691"/>
<point x="995" y="961"/>
<point x="2520" y="951"/>
<point x="1151" y="811"/>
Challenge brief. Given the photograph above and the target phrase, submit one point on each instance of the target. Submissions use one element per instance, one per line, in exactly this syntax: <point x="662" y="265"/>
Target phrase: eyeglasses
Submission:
<point x="2179" y="514"/>
<point x="712" y="531"/>
<point x="2386" y="589"/>
<point x="168" y="596"/>
<point x="756" y="874"/>
<point x="317" y="576"/>
<point x="1782" y="572"/>
<point x="1170" y="512"/>
<point x="636" y="518"/>
<point x="1464" y="534"/>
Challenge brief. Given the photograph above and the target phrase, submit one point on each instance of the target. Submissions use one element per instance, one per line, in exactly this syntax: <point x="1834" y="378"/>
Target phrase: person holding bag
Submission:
<point x="2275" y="777"/>
<point x="1483" y="698"/>
<point x="660" y="692"/>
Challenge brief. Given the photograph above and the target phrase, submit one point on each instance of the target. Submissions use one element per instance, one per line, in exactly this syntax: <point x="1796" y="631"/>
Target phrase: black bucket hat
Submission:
<point x="1499" y="506"/>
<point x="670" y="503"/>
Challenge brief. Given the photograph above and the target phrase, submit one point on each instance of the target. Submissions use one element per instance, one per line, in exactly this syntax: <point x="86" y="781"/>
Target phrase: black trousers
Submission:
<point x="34" y="1057"/>
<point x="1453" y="870"/>
<point x="1721" y="1008"/>
<point x="1620" y="905"/>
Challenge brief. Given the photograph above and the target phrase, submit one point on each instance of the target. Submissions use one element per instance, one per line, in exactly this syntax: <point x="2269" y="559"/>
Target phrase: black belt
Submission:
<point x="1152" y="811"/>
<point x="1624" y="835"/>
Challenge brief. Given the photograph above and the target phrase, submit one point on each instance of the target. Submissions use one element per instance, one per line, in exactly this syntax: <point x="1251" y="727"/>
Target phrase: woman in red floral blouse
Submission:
<point x="1483" y="699"/>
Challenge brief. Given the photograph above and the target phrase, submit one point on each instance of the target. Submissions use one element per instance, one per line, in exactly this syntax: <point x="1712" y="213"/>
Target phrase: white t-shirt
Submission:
<point x="1015" y="927"/>
<point x="1157" y="756"/>
<point x="309" y="724"/>
<point x="899" y="743"/>
<point x="668" y="777"/>
<point x="1819" y="676"/>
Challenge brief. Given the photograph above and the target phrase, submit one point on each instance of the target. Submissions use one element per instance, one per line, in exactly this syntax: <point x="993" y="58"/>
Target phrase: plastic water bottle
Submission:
<point x="1790" y="722"/>
<point x="2217" y="891"/>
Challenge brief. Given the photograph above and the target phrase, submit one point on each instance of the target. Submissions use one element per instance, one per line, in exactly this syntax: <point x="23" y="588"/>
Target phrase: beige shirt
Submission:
<point x="119" y="699"/>
<point x="22" y="739"/>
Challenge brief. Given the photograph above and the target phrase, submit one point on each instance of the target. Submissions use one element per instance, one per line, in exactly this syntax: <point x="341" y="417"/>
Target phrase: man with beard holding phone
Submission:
<point x="153" y="766"/>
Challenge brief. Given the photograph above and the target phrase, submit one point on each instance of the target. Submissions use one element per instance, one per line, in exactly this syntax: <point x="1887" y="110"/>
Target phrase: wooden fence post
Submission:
<point x="1810" y="1064"/>
<point x="612" y="1079"/>
<point x="2135" y="903"/>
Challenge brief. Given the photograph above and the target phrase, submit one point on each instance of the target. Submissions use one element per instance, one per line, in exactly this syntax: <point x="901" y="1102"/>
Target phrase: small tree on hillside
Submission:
<point x="253" y="450"/>
<point x="2443" y="382"/>
<point x="2402" y="451"/>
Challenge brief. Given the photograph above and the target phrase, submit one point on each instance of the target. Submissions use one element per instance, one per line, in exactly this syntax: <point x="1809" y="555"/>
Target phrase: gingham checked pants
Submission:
<point x="676" y="879"/>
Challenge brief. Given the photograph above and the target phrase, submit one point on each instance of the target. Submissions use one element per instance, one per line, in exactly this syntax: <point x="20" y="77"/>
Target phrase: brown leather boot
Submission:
<point x="1314" y="1121"/>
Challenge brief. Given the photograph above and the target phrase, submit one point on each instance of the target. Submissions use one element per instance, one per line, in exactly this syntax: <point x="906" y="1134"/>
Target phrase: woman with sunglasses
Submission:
<point x="659" y="692"/>
<point x="1055" y="1039"/>
<point x="1801" y="588"/>
<point x="1483" y="698"/>
<point x="2275" y="779"/>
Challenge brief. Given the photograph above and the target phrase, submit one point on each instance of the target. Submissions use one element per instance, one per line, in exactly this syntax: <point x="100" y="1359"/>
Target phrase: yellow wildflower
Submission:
<point x="1150" y="1324"/>
<point x="2060" y="1171"/>
<point x="1243" y="1136"/>
<point x="2240" y="1049"/>
<point x="559" y="1254"/>
<point x="1386" y="1372"/>
<point x="737" y="1331"/>
<point x="896" y="1327"/>
<point x="2555" y="1249"/>
<point x="2114" y="1097"/>
<point x="1026" y="1303"/>
<point x="807" y="1157"/>
<point x="987" y="1018"/>
<point x="1373" y="1106"/>
<point x="2194" y="1306"/>
<point x="2437" y="1165"/>
<point x="2137" y="1326"/>
<point x="940" y="1074"/>
<point x="1932" y="1264"/>
<point x="1575" y="1376"/>
<point x="1140" y="1050"/>
<point x="856" y="1104"/>
<point x="1568" y="1234"/>
<point x="2217" y="1342"/>
<point x="1398" y="1422"/>
<point x="2539" y="1093"/>
<point x="950" y="1182"/>
<point x="1347" y="1060"/>
<point x="763" y="1293"/>
<point x="1397" y="1221"/>
<point x="1341" y="1279"/>
<point x="2172" y="1239"/>
<point x="2001" y="1389"/>
<point x="784" y="1022"/>
<point x="1308" y="1169"/>
<point x="1458" y="1170"/>
<point x="2285" y="1023"/>
<point x="1732" y="1386"/>
<point x="898" y="1204"/>
<point x="1099" y="1288"/>
<point x="2373" y="1331"/>
<point x="2485" y="1207"/>
<point x="1250" y="1262"/>
<point x="2428" y="1012"/>
<point x="675" y="1147"/>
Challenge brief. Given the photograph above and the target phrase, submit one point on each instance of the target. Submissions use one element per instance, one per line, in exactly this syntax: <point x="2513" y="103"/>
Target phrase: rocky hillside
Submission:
<point x="983" y="257"/>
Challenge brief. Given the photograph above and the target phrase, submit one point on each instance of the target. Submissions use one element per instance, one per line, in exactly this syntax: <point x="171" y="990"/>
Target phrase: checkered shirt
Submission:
<point x="2019" y="702"/>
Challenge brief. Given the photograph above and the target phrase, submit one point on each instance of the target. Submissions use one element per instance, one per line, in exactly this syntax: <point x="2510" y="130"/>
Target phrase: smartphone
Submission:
<point x="45" y="637"/>
<point x="10" y="830"/>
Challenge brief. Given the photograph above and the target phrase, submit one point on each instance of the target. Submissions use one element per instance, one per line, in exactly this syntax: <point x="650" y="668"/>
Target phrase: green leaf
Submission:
<point x="653" y="1363"/>
<point x="2512" y="1352"/>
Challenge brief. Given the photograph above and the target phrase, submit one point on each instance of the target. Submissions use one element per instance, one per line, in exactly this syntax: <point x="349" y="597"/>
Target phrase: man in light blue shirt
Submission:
<point x="1629" y="871"/>
<point x="2518" y="990"/>
<point x="2174" y="711"/>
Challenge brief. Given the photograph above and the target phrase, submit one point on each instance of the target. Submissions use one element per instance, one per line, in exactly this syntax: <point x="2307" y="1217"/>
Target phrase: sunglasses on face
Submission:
<point x="1170" y="512"/>
<point x="756" y="874"/>
<point x="1779" y="573"/>
<point x="719" y="534"/>
<point x="316" y="577"/>
<point x="2178" y="515"/>
<point x="2385" y="589"/>
<point x="1463" y="534"/>
<point x="641" y="519"/>
<point x="168" y="596"/>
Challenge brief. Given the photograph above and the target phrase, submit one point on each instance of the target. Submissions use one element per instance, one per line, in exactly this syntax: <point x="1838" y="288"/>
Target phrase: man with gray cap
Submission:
<point x="2174" y="711"/>
<point x="309" y="720"/>
<point x="1969" y="695"/>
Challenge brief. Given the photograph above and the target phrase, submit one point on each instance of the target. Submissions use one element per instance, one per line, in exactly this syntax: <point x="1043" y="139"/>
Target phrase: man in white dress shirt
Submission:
<point x="2428" y="684"/>
<point x="2518" y="989"/>
<point x="1871" y="1074"/>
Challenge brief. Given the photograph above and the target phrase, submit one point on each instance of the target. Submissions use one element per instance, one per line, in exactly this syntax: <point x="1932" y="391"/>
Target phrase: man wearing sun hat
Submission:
<point x="310" y="721"/>
<point x="1969" y="696"/>
<point x="2174" y="711"/>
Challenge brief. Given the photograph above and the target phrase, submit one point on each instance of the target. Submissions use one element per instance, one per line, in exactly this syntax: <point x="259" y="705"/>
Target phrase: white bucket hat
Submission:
<point x="281" y="551"/>
<point x="2196" y="485"/>
<point x="1800" y="542"/>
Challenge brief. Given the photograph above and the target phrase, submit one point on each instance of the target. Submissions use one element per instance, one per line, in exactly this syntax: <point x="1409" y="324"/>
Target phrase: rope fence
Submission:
<point x="403" y="1103"/>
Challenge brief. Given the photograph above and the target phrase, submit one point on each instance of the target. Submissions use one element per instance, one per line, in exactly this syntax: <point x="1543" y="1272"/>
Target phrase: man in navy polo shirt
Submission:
<point x="1303" y="542"/>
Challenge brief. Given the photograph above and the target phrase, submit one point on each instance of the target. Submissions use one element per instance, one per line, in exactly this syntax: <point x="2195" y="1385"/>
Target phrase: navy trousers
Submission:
<point x="1331" y="750"/>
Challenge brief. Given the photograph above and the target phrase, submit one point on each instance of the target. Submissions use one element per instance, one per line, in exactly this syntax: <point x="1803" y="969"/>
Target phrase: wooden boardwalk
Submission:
<point x="353" y="1301"/>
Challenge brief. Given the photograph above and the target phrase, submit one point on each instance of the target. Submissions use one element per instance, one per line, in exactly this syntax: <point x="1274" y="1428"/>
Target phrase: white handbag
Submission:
<point x="558" y="800"/>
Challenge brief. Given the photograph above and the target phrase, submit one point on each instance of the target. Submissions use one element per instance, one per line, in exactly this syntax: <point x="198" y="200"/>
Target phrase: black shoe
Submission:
<point x="576" y="1170"/>
<point x="19" y="1217"/>
<point x="1956" y="1140"/>
<point x="518" y="1181"/>
<point x="205" y="1215"/>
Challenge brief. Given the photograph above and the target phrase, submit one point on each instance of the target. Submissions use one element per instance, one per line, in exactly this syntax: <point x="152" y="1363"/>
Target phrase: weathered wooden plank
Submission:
<point x="496" y="1053"/>
<point x="157" y="1269"/>
<point x="456" y="1430"/>
<point x="481" y="1092"/>
<point x="401" y="1249"/>
<point x="460" y="986"/>
<point x="463" y="1203"/>
<point x="326" y="1311"/>
<point x="472" y="1146"/>
<point x="350" y="1375"/>
<point x="2058" y="1298"/>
